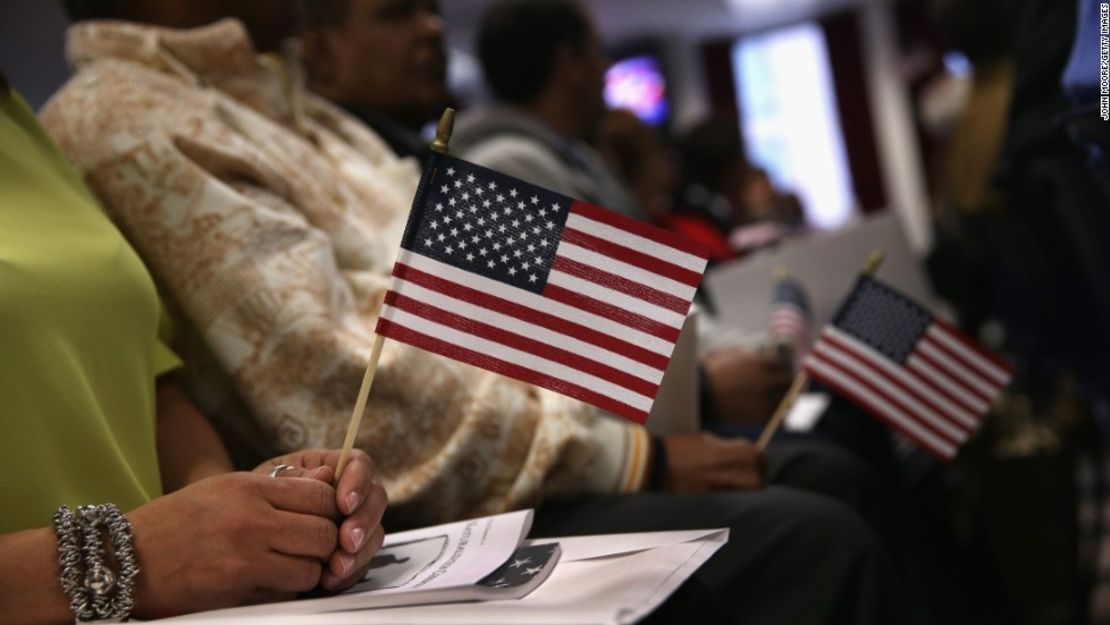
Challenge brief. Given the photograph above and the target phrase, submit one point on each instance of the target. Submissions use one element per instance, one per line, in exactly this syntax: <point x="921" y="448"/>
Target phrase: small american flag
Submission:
<point x="790" y="314"/>
<point x="537" y="286"/>
<point x="921" y="376"/>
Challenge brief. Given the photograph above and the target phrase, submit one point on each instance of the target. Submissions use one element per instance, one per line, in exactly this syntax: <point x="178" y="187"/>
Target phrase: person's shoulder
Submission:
<point x="522" y="157"/>
<point x="514" y="155"/>
<point x="110" y="99"/>
<point x="125" y="88"/>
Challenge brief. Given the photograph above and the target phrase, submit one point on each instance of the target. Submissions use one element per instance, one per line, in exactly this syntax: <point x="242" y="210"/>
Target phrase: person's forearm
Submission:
<point x="188" y="447"/>
<point x="30" y="590"/>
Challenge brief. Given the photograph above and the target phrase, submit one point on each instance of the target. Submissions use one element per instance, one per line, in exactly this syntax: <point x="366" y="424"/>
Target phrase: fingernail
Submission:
<point x="352" y="502"/>
<point x="358" y="535"/>
<point x="345" y="564"/>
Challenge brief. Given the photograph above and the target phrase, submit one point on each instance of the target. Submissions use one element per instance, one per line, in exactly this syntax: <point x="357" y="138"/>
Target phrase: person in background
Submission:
<point x="546" y="67"/>
<point x="92" y="415"/>
<point x="713" y="170"/>
<point x="637" y="154"/>
<point x="728" y="197"/>
<point x="763" y="202"/>
<point x="635" y="151"/>
<point x="384" y="61"/>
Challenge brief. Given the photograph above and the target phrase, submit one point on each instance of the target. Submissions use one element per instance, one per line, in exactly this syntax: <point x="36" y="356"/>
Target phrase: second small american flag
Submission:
<point x="923" y="377"/>
<point x="540" y="287"/>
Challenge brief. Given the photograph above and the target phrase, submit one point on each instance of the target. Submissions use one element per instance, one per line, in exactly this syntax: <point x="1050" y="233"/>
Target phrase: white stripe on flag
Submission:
<point x="921" y="386"/>
<point x="836" y="377"/>
<point x="629" y="303"/>
<point x="625" y="270"/>
<point x="918" y="365"/>
<point x="941" y="335"/>
<point x="535" y="302"/>
<point x="528" y="330"/>
<point x="517" y="357"/>
<point x="898" y="396"/>
<point x="635" y="242"/>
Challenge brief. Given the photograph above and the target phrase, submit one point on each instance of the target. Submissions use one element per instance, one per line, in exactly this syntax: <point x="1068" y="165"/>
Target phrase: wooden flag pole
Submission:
<point x="360" y="405"/>
<point x="787" y="402"/>
<point x="802" y="378"/>
<point x="443" y="137"/>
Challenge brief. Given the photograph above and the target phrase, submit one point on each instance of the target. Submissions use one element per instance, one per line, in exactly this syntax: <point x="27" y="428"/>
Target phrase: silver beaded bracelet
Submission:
<point x="95" y="592"/>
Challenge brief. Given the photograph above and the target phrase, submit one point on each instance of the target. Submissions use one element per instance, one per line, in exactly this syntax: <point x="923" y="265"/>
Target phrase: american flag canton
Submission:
<point x="490" y="224"/>
<point x="531" y="284"/>
<point x="884" y="319"/>
<point x="920" y="375"/>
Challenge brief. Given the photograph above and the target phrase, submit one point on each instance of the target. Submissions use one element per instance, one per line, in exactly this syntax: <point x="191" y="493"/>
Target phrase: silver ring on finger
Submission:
<point x="280" y="468"/>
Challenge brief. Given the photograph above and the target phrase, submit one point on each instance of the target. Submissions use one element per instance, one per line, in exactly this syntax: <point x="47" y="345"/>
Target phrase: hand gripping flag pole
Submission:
<point x="439" y="145"/>
<point x="800" y="380"/>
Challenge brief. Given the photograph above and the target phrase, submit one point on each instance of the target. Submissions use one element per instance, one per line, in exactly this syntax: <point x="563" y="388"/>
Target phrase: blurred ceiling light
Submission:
<point x="761" y="7"/>
<point x="777" y="10"/>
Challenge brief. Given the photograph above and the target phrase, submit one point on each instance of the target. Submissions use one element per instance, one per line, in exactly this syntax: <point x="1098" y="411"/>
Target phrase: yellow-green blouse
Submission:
<point x="79" y="340"/>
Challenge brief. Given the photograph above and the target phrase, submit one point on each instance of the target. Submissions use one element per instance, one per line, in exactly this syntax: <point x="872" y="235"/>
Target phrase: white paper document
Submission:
<point x="806" y="411"/>
<point x="577" y="548"/>
<point x="613" y="590"/>
<point x="613" y="579"/>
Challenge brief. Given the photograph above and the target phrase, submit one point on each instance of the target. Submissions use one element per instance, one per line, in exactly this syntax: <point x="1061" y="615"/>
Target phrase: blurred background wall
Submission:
<point x="821" y="88"/>
<point x="31" y="54"/>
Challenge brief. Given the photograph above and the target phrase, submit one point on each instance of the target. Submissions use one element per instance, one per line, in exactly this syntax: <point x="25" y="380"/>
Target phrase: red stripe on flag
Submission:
<point x="638" y="290"/>
<point x="848" y="351"/>
<point x="789" y="319"/>
<point x="524" y="344"/>
<point x="959" y="336"/>
<point x="639" y="228"/>
<point x="485" y="361"/>
<point x="891" y="396"/>
<point x="531" y="315"/>
<point x="861" y="352"/>
<point x="632" y="257"/>
<point x="609" y="311"/>
<point x="919" y="372"/>
<point x="975" y="370"/>
<point x="947" y="373"/>
<point x="984" y="377"/>
<point x="871" y="407"/>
